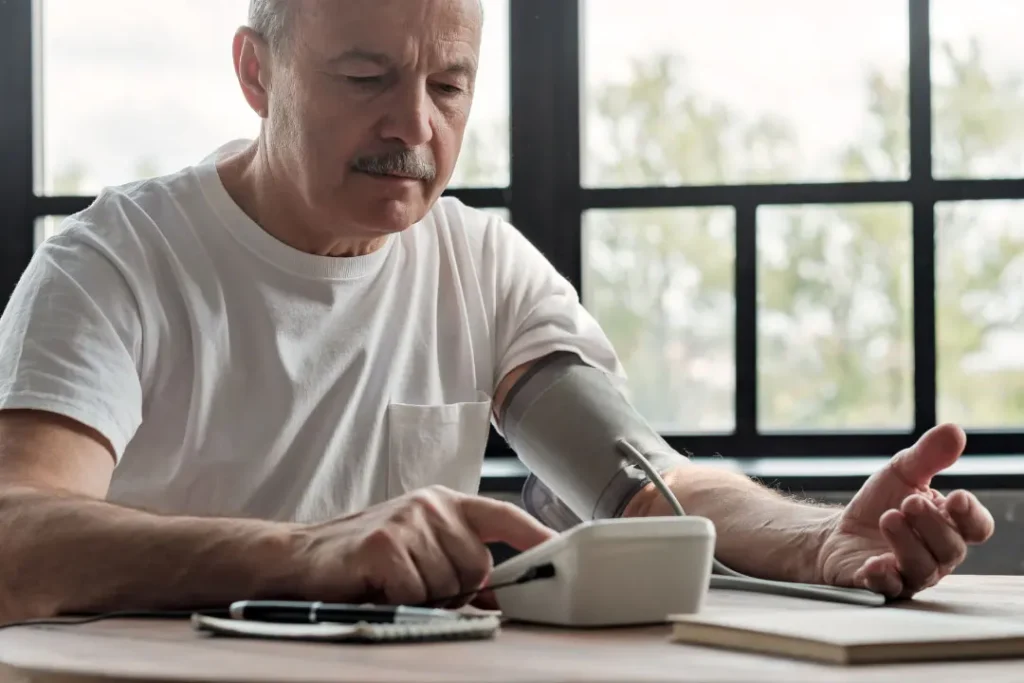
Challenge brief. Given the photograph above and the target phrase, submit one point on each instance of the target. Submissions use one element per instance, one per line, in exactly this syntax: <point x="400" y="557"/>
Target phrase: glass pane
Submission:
<point x="835" y="327"/>
<point x="660" y="282"/>
<point x="980" y="312"/>
<point x="46" y="227"/>
<point x="692" y="92"/>
<point x="501" y="211"/>
<point x="977" y="89"/>
<point x="484" y="161"/>
<point x="118" y="105"/>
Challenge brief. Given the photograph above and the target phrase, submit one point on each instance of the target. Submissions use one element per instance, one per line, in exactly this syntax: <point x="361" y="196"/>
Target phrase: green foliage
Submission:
<point x="478" y="164"/>
<point x="834" y="282"/>
<point x="977" y="117"/>
<point x="671" y="322"/>
<point x="835" y="299"/>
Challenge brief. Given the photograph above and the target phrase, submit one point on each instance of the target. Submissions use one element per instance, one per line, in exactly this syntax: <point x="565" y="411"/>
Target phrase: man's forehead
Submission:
<point x="444" y="34"/>
<point x="389" y="16"/>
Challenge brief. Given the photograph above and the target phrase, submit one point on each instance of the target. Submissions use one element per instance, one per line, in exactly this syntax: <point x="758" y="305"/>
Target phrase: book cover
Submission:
<point x="854" y="636"/>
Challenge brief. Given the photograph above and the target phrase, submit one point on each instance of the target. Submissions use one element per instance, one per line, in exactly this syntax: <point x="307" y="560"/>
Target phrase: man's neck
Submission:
<point x="252" y="183"/>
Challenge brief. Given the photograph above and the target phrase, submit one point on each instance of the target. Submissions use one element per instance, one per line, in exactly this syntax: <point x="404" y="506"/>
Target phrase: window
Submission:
<point x="835" y="337"/>
<point x="117" y="105"/>
<point x="484" y="160"/>
<point x="46" y="227"/>
<point x="869" y="296"/>
<point x="977" y="89"/>
<point x="980" y="312"/>
<point x="660" y="282"/>
<point x="684" y="92"/>
<point x="501" y="212"/>
<point x="798" y="222"/>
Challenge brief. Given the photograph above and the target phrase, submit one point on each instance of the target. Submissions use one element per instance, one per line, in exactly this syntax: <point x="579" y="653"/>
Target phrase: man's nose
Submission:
<point x="410" y="116"/>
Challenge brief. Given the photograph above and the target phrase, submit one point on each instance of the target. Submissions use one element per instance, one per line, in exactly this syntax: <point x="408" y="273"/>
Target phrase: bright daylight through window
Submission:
<point x="782" y="231"/>
<point x="687" y="93"/>
<point x="118" y="105"/>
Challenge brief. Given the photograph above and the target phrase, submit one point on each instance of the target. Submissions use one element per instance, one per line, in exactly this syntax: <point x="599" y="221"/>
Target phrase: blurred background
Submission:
<point x="801" y="223"/>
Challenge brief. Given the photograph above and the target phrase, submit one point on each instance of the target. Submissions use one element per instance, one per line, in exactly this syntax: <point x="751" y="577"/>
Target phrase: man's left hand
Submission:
<point x="898" y="535"/>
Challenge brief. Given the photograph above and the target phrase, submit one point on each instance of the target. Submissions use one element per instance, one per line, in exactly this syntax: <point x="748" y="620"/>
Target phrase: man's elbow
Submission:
<point x="21" y="597"/>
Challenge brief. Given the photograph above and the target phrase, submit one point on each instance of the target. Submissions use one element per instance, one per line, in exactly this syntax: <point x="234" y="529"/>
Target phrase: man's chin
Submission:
<point x="382" y="206"/>
<point x="386" y="216"/>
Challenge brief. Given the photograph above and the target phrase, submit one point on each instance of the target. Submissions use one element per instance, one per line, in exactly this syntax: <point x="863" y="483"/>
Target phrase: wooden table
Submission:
<point x="171" y="651"/>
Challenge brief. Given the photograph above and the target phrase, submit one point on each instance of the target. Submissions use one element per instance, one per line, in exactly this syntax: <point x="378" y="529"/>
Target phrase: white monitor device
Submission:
<point x="613" y="572"/>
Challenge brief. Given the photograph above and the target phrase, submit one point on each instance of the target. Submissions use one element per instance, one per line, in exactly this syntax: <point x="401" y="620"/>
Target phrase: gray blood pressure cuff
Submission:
<point x="563" y="418"/>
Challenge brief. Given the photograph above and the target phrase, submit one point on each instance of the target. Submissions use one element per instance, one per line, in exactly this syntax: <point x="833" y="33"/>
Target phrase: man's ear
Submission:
<point x="252" y="67"/>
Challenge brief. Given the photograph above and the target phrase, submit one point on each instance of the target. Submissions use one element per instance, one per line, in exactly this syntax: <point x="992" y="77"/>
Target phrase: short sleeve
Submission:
<point x="540" y="312"/>
<point x="71" y="340"/>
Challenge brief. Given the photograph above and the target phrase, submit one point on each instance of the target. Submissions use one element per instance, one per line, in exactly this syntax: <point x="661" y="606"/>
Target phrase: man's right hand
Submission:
<point x="422" y="547"/>
<point x="89" y="555"/>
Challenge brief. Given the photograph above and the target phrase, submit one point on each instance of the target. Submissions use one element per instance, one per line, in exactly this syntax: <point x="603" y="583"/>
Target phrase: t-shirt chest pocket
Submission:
<point x="438" y="444"/>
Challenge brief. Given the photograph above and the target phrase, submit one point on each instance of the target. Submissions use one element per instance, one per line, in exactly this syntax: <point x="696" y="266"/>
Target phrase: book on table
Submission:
<point x="854" y="636"/>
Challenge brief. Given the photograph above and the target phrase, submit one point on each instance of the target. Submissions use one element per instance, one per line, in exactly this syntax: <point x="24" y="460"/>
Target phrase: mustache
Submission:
<point x="404" y="162"/>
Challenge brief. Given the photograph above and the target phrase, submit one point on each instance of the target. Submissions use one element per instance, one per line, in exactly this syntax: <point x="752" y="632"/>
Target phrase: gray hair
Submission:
<point x="272" y="18"/>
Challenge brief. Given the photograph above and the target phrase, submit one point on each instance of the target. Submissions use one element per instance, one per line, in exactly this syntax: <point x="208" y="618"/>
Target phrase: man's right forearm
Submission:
<point x="64" y="554"/>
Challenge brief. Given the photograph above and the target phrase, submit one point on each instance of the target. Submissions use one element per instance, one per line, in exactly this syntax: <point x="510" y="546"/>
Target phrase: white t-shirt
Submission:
<point x="237" y="376"/>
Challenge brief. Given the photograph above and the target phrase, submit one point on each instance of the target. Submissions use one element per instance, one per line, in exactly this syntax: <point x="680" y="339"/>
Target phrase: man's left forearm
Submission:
<point x="759" y="532"/>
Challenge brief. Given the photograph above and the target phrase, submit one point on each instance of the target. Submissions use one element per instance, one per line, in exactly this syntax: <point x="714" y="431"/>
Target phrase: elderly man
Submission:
<point x="273" y="373"/>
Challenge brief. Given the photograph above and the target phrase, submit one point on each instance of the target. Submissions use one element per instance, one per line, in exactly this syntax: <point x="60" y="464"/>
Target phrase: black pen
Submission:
<point x="300" y="612"/>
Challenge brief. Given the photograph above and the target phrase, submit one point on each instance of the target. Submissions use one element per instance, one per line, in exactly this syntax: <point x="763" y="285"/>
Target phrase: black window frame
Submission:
<point x="546" y="201"/>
